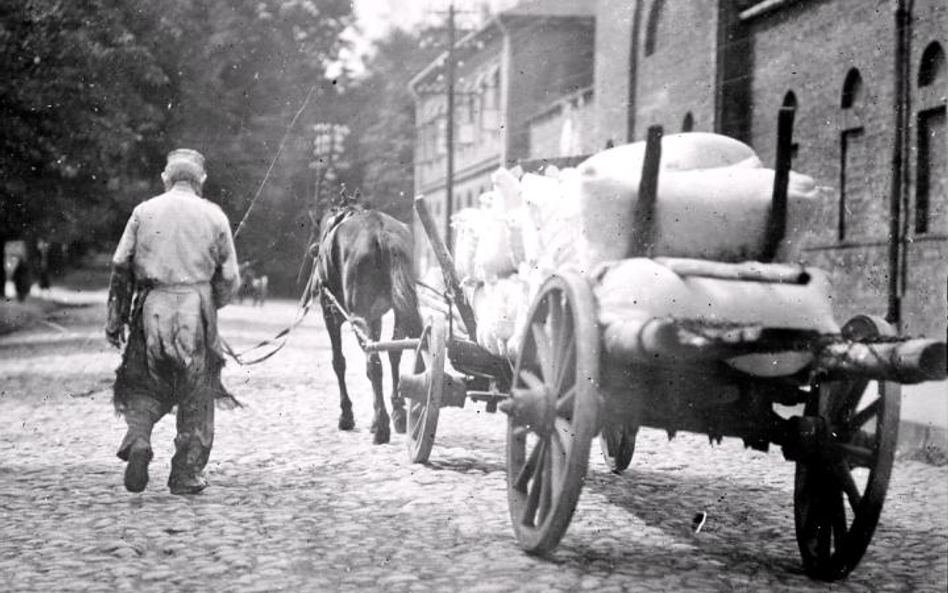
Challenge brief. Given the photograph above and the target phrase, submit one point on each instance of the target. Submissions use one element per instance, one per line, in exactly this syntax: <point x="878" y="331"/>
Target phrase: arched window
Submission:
<point x="852" y="153"/>
<point x="790" y="100"/>
<point x="932" y="66"/>
<point x="931" y="171"/>
<point x="852" y="89"/>
<point x="651" y="28"/>
<point x="688" y="124"/>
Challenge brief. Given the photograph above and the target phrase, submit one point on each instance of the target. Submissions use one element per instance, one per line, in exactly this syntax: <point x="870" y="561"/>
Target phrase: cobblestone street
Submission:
<point x="296" y="505"/>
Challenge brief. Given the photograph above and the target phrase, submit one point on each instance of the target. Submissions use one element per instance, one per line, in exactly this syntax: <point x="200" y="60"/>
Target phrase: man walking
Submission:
<point x="174" y="267"/>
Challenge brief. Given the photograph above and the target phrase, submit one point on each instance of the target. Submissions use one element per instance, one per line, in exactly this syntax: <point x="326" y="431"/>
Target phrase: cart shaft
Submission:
<point x="451" y="280"/>
<point x="390" y="345"/>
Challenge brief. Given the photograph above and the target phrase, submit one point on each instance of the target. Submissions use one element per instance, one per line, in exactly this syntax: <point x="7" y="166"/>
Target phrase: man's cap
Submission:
<point x="185" y="160"/>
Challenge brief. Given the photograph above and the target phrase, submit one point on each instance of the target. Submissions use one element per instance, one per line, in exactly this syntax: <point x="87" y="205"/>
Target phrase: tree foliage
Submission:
<point x="383" y="120"/>
<point x="96" y="92"/>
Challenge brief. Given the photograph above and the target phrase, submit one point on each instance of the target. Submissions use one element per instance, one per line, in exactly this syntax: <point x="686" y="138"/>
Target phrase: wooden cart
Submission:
<point x="572" y="381"/>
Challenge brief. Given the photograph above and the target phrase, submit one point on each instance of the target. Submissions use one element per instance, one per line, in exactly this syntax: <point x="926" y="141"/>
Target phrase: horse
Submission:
<point x="363" y="263"/>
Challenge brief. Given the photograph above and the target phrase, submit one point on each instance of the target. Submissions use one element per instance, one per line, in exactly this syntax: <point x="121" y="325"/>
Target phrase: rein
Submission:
<point x="281" y="337"/>
<point x="313" y="286"/>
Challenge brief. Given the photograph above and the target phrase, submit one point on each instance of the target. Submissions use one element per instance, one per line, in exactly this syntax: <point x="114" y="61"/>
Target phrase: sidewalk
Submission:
<point x="15" y="315"/>
<point x="923" y="430"/>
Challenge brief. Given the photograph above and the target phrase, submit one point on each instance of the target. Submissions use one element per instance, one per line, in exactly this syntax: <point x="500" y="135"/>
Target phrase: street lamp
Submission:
<point x="328" y="147"/>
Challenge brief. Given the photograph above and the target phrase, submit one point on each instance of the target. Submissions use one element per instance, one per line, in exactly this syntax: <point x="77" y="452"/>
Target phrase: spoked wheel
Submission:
<point x="423" y="388"/>
<point x="553" y="412"/>
<point x="617" y="442"/>
<point x="840" y="487"/>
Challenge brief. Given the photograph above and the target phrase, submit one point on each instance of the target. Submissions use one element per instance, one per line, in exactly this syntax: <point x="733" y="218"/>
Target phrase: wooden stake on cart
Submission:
<point x="777" y="222"/>
<point x="451" y="280"/>
<point x="643" y="213"/>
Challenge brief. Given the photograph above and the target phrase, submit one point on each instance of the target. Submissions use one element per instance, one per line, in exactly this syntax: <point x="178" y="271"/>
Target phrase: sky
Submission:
<point x="375" y="17"/>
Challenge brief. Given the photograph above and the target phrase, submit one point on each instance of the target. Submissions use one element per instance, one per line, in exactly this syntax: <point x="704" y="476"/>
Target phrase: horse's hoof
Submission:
<point x="346" y="423"/>
<point x="398" y="419"/>
<point x="382" y="437"/>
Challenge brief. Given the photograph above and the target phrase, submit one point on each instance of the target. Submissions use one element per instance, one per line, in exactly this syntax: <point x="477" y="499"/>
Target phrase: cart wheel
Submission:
<point x="554" y="410"/>
<point x="423" y="390"/>
<point x="840" y="488"/>
<point x="617" y="442"/>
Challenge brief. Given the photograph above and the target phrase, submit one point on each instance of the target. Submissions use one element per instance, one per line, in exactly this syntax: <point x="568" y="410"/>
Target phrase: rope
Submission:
<point x="279" y="151"/>
<point x="359" y="334"/>
<point x="282" y="337"/>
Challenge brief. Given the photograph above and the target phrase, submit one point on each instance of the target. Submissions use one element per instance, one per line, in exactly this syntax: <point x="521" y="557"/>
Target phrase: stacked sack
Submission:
<point x="525" y="228"/>
<point x="714" y="200"/>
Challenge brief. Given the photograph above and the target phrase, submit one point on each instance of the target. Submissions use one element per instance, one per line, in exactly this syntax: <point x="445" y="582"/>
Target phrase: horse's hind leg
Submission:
<point x="333" y="326"/>
<point x="395" y="359"/>
<point x="373" y="369"/>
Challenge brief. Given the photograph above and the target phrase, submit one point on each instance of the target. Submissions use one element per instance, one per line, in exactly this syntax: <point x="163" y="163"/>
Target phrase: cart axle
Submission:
<point x="909" y="362"/>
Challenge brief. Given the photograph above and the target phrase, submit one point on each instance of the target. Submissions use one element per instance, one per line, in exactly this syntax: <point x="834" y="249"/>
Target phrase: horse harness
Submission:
<point x="319" y="277"/>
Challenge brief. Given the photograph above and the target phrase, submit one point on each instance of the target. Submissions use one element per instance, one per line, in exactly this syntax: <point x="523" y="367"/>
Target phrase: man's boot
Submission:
<point x="136" y="446"/>
<point x="136" y="472"/>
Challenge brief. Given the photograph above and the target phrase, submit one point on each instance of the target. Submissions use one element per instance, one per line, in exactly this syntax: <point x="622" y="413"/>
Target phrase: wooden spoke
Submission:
<point x="565" y="369"/>
<point x="845" y="480"/>
<point x="544" y="350"/>
<point x="860" y="418"/>
<point x="564" y="405"/>
<point x="536" y="488"/>
<point x="563" y="433"/>
<point x="546" y="495"/>
<point x="528" y="469"/>
<point x="858" y="456"/>
<point x="416" y="430"/>
<point x="559" y="453"/>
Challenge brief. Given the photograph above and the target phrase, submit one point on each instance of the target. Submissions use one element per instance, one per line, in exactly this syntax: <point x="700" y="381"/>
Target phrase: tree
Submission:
<point x="383" y="120"/>
<point x="97" y="91"/>
<point x="80" y="96"/>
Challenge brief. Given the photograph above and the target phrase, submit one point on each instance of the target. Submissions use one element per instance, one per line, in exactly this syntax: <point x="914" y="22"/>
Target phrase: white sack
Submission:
<point x="717" y="213"/>
<point x="680" y="152"/>
<point x="633" y="291"/>
<point x="553" y="207"/>
<point x="498" y="306"/>
<point x="496" y="248"/>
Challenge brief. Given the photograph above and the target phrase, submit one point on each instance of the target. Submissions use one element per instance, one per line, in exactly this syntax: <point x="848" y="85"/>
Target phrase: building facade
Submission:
<point x="868" y="81"/>
<point x="523" y="87"/>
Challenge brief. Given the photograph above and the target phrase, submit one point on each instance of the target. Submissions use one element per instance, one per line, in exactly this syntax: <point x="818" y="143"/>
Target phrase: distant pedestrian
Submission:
<point x="21" y="279"/>
<point x="42" y="247"/>
<point x="174" y="267"/>
<point x="247" y="278"/>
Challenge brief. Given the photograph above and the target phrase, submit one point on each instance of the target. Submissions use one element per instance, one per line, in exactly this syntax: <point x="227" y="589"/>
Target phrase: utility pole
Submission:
<point x="449" y="136"/>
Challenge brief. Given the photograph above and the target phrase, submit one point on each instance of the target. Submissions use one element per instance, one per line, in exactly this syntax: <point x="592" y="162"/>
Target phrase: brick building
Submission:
<point x="869" y="82"/>
<point x="523" y="86"/>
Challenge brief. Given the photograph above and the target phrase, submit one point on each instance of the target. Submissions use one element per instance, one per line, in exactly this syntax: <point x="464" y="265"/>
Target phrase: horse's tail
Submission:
<point x="404" y="297"/>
